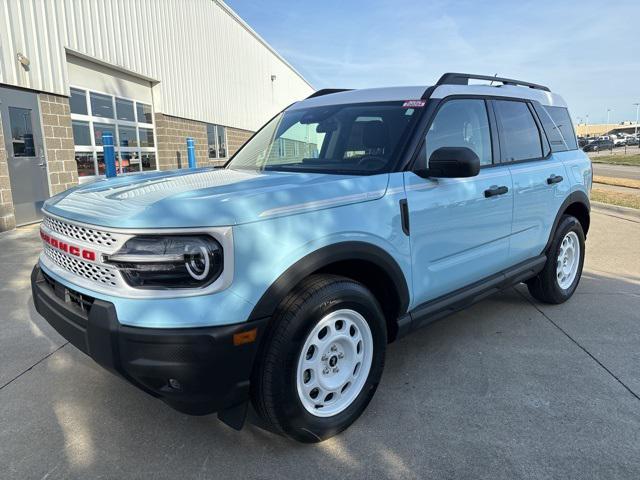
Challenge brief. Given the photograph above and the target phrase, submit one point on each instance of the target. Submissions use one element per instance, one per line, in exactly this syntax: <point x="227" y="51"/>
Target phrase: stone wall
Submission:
<point x="236" y="138"/>
<point x="58" y="142"/>
<point x="7" y="216"/>
<point x="171" y="142"/>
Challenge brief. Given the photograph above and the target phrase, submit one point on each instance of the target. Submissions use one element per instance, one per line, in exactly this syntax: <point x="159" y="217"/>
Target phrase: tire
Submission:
<point x="553" y="286"/>
<point x="281" y="386"/>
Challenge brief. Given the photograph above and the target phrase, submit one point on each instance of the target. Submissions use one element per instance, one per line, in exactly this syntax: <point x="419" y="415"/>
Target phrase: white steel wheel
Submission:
<point x="568" y="260"/>
<point x="334" y="363"/>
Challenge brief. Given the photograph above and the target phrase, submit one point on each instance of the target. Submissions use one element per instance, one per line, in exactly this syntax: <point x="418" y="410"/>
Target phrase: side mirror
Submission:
<point x="452" y="162"/>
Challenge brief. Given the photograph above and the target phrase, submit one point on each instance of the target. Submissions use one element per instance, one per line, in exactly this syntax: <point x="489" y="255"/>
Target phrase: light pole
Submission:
<point x="587" y="124"/>
<point x="637" y="105"/>
<point x="608" y="116"/>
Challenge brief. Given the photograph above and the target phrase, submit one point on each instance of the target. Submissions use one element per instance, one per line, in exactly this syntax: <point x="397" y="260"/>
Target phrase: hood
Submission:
<point x="209" y="197"/>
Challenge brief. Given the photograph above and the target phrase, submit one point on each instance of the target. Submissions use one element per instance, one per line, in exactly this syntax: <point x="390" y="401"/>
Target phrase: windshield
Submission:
<point x="360" y="139"/>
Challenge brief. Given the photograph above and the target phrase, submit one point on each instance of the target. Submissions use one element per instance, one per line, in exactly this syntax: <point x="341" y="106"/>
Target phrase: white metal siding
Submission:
<point x="210" y="66"/>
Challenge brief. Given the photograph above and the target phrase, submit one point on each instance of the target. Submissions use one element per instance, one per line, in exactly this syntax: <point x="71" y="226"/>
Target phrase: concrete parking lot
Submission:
<point x="506" y="389"/>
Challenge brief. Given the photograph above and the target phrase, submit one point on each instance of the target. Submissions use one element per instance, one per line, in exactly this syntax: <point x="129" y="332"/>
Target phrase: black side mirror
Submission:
<point x="452" y="162"/>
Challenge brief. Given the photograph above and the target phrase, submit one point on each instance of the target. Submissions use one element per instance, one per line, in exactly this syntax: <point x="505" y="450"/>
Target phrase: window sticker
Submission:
<point x="414" y="103"/>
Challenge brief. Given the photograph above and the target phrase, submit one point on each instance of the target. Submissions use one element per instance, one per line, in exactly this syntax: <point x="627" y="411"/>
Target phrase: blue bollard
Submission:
<point x="109" y="155"/>
<point x="191" y="152"/>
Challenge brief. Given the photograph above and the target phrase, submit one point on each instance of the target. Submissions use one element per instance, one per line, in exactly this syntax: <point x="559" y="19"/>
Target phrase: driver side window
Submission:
<point x="461" y="123"/>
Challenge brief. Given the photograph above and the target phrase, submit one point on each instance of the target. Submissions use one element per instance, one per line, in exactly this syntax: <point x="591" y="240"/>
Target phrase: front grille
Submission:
<point x="87" y="235"/>
<point x="87" y="270"/>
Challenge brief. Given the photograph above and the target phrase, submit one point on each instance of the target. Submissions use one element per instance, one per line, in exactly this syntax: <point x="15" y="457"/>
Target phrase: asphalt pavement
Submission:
<point x="618" y="171"/>
<point x="507" y="389"/>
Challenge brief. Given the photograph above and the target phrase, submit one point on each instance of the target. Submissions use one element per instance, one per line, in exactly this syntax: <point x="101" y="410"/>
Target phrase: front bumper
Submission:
<point x="194" y="370"/>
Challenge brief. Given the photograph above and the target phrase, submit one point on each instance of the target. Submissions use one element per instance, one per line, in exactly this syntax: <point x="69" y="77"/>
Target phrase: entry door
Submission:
<point x="460" y="227"/>
<point x="25" y="153"/>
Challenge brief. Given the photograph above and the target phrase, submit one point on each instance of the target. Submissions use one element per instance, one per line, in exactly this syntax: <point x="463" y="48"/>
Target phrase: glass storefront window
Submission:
<point x="86" y="167"/>
<point x="101" y="105"/>
<point x="222" y="141"/>
<point x="99" y="129"/>
<point x="78" y="101"/>
<point x="144" y="113"/>
<point x="146" y="137"/>
<point x="100" y="158"/>
<point x="124" y="110"/>
<point x="149" y="162"/>
<point x="127" y="136"/>
<point x="129" y="162"/>
<point x="130" y="122"/>
<point x="81" y="133"/>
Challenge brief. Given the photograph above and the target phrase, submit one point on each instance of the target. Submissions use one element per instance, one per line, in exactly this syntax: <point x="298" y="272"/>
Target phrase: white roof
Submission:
<point x="413" y="93"/>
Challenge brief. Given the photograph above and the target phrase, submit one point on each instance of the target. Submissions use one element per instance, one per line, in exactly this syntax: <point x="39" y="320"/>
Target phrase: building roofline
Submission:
<point x="255" y="34"/>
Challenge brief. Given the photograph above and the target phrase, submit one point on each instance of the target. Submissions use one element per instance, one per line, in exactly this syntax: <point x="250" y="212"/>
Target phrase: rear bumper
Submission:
<point x="208" y="372"/>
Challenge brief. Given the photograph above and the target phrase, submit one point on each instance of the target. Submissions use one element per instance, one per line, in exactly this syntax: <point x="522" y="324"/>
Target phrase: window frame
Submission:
<point x="115" y="122"/>
<point x="216" y="136"/>
<point x="545" y="147"/>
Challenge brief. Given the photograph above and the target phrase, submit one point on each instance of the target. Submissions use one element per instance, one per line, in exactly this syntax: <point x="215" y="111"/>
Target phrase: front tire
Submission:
<point x="322" y="359"/>
<point x="561" y="274"/>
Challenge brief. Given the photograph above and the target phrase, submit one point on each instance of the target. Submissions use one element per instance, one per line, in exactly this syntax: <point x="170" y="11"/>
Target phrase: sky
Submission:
<point x="587" y="51"/>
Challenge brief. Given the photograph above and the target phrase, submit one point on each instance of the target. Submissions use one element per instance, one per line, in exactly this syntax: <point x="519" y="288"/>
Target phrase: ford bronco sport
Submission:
<point x="350" y="219"/>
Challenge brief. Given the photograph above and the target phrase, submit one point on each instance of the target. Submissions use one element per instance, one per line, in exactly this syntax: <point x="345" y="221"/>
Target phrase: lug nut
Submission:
<point x="326" y="370"/>
<point x="333" y="348"/>
<point x="336" y="370"/>
<point x="323" y="358"/>
<point x="341" y="355"/>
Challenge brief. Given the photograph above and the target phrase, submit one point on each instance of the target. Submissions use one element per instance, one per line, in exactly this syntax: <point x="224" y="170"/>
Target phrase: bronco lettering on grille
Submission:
<point x="68" y="248"/>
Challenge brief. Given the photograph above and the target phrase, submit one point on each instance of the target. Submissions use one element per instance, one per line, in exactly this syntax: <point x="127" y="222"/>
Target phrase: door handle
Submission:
<point x="554" y="179"/>
<point x="493" y="191"/>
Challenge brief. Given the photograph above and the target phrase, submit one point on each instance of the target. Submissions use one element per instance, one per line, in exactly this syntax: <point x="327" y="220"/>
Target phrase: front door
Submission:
<point x="460" y="227"/>
<point x="25" y="153"/>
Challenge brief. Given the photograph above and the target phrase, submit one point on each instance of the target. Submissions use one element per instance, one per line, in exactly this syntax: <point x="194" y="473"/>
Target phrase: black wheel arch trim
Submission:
<point x="314" y="261"/>
<point x="574" y="197"/>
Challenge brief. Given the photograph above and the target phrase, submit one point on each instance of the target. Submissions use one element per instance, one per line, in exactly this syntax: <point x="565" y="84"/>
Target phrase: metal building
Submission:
<point x="153" y="72"/>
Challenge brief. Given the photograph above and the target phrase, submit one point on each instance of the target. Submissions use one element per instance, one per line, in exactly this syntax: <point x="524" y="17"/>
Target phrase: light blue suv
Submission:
<point x="350" y="219"/>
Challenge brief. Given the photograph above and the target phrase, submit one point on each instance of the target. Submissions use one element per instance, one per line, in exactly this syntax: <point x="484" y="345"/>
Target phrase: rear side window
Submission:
<point x="557" y="124"/>
<point x="519" y="134"/>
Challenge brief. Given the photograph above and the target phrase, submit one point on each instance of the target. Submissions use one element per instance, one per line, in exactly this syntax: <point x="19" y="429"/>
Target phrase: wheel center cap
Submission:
<point x="333" y="361"/>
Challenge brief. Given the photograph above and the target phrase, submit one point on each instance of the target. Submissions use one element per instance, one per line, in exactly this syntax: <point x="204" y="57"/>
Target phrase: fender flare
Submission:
<point x="574" y="197"/>
<point x="322" y="257"/>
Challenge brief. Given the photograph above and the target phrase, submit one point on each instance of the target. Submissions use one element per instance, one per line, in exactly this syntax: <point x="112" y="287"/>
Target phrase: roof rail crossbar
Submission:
<point x="327" y="91"/>
<point x="463" y="79"/>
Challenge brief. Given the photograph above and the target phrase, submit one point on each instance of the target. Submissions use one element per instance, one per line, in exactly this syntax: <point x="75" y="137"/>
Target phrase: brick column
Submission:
<point x="171" y="141"/>
<point x="58" y="142"/>
<point x="7" y="215"/>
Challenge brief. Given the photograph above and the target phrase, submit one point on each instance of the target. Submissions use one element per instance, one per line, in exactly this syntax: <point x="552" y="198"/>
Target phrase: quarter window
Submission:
<point x="519" y="134"/>
<point x="130" y="122"/>
<point x="557" y="124"/>
<point x="461" y="123"/>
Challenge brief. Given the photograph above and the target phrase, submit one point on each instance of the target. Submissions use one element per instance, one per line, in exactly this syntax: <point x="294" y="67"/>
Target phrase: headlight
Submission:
<point x="187" y="261"/>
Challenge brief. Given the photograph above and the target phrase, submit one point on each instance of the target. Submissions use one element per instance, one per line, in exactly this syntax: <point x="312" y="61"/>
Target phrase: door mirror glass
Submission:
<point x="452" y="162"/>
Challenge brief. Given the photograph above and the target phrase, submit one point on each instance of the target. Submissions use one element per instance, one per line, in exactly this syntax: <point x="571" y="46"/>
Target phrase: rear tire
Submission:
<point x="561" y="274"/>
<point x="322" y="359"/>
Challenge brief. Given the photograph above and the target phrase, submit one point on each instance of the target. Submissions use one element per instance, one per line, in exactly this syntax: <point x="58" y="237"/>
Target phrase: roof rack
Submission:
<point x="463" y="79"/>
<point x="327" y="91"/>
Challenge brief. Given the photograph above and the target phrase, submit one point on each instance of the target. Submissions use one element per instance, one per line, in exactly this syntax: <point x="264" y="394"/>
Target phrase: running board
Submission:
<point x="438" y="308"/>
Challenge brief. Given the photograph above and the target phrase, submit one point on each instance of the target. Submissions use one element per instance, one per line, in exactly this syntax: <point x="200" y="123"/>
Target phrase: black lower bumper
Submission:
<point x="194" y="370"/>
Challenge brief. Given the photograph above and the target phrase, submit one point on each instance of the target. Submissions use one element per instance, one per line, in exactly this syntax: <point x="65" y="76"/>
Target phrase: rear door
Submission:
<point x="540" y="182"/>
<point x="459" y="229"/>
